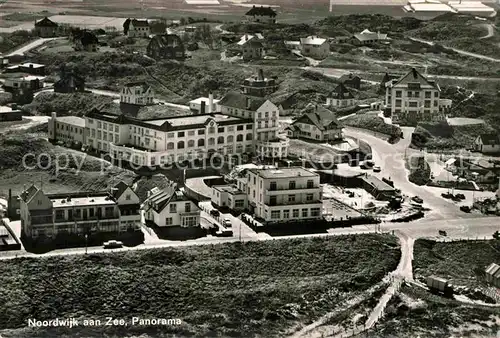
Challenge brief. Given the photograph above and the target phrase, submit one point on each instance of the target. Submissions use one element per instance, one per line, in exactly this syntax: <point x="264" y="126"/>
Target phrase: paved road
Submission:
<point x="459" y="51"/>
<point x="491" y="31"/>
<point x="32" y="45"/>
<point x="391" y="159"/>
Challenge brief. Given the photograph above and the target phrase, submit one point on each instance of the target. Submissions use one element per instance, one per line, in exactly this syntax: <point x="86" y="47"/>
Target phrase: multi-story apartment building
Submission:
<point x="413" y="98"/>
<point x="47" y="215"/>
<point x="67" y="129"/>
<point x="137" y="93"/>
<point x="259" y="85"/>
<point x="284" y="194"/>
<point x="265" y="117"/>
<point x="162" y="141"/>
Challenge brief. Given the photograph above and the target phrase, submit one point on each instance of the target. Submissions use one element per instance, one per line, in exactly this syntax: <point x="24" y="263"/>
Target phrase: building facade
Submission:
<point x="204" y="105"/>
<point x="487" y="143"/>
<point x="67" y="129"/>
<point x="286" y="194"/>
<point x="229" y="196"/>
<point x="316" y="123"/>
<point x="137" y="93"/>
<point x="46" y="28"/>
<point x="261" y="15"/>
<point x="18" y="81"/>
<point x="165" y="141"/>
<point x="412" y="98"/>
<point x="315" y="47"/>
<point x="265" y="123"/>
<point x="167" y="46"/>
<point x="259" y="85"/>
<point x="47" y="215"/>
<point x="340" y="97"/>
<point x="367" y="37"/>
<point x="250" y="47"/>
<point x="138" y="28"/>
<point x="171" y="208"/>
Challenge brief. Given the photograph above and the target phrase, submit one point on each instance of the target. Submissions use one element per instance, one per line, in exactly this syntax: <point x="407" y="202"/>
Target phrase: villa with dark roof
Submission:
<point x="167" y="46"/>
<point x="134" y="28"/>
<point x="170" y="207"/>
<point x="340" y="97"/>
<point x="316" y="123"/>
<point x="85" y="41"/>
<point x="69" y="83"/>
<point x="413" y="98"/>
<point x="258" y="85"/>
<point x="350" y="80"/>
<point x="487" y="143"/>
<point x="261" y="15"/>
<point x="46" y="28"/>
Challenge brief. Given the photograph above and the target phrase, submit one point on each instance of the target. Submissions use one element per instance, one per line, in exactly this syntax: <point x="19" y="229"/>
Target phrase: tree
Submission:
<point x="126" y="25"/>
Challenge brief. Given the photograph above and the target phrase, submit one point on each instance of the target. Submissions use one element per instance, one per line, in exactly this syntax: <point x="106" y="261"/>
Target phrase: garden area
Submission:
<point x="253" y="289"/>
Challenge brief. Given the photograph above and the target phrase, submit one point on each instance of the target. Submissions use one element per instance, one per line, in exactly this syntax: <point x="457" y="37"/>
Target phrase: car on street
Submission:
<point x="227" y="223"/>
<point x="465" y="208"/>
<point x="377" y="169"/>
<point x="215" y="212"/>
<point x="460" y="196"/>
<point x="442" y="233"/>
<point x="447" y="195"/>
<point x="417" y="199"/>
<point x="112" y="244"/>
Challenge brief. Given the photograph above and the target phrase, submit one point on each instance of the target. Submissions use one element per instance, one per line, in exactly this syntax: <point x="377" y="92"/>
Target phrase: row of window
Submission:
<point x="67" y="127"/>
<point x="291" y="185"/>
<point x="173" y="207"/>
<point x="427" y="94"/>
<point x="291" y="199"/>
<point x="276" y="214"/>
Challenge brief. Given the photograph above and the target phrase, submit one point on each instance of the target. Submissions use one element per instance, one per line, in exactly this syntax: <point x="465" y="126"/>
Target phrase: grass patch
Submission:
<point x="420" y="171"/>
<point x="255" y="288"/>
<point x="76" y="103"/>
<point x="372" y="122"/>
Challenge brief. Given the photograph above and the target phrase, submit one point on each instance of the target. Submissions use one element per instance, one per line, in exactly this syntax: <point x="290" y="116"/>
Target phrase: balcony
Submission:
<point x="287" y="190"/>
<point x="276" y="143"/>
<point x="295" y="203"/>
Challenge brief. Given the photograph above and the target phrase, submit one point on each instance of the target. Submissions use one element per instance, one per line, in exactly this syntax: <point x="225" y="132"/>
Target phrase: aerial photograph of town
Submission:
<point x="249" y="168"/>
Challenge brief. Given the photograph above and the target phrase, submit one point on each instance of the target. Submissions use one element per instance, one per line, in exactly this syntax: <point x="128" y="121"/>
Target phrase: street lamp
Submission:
<point x="86" y="242"/>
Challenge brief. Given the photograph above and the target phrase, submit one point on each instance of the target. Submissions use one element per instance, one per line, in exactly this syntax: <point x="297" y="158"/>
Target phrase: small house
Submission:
<point x="250" y="47"/>
<point x="69" y="83"/>
<point x="136" y="28"/>
<point x="166" y="46"/>
<point x="261" y="15"/>
<point x="492" y="274"/>
<point x="340" y="97"/>
<point x="316" y="123"/>
<point x="85" y="41"/>
<point x="487" y="143"/>
<point x="367" y="37"/>
<point x="315" y="47"/>
<point x="46" y="28"/>
<point x="351" y="81"/>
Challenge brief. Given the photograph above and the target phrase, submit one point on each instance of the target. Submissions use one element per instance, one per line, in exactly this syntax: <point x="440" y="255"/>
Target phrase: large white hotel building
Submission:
<point x="245" y="124"/>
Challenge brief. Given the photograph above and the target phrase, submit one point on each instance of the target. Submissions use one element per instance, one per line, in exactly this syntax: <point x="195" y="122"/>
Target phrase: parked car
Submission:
<point x="447" y="195"/>
<point x="455" y="198"/>
<point x="465" y="208"/>
<point x="417" y="199"/>
<point x="460" y="196"/>
<point x="215" y="212"/>
<point x="227" y="223"/>
<point x="112" y="244"/>
<point x="377" y="169"/>
<point x="442" y="233"/>
<point x="224" y="232"/>
<point x="364" y="165"/>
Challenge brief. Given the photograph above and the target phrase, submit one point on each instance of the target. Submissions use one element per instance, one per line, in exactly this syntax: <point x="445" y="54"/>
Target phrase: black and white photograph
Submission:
<point x="249" y="168"/>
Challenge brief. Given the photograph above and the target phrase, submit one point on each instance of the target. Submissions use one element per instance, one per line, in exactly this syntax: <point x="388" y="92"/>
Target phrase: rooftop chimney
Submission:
<point x="248" y="102"/>
<point x="202" y="108"/>
<point x="261" y="75"/>
<point x="211" y="108"/>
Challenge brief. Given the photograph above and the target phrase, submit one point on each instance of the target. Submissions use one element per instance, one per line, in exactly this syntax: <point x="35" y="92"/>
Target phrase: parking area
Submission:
<point x="240" y="229"/>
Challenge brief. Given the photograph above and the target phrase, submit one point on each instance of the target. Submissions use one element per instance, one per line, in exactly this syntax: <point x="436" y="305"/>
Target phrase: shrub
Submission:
<point x="420" y="171"/>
